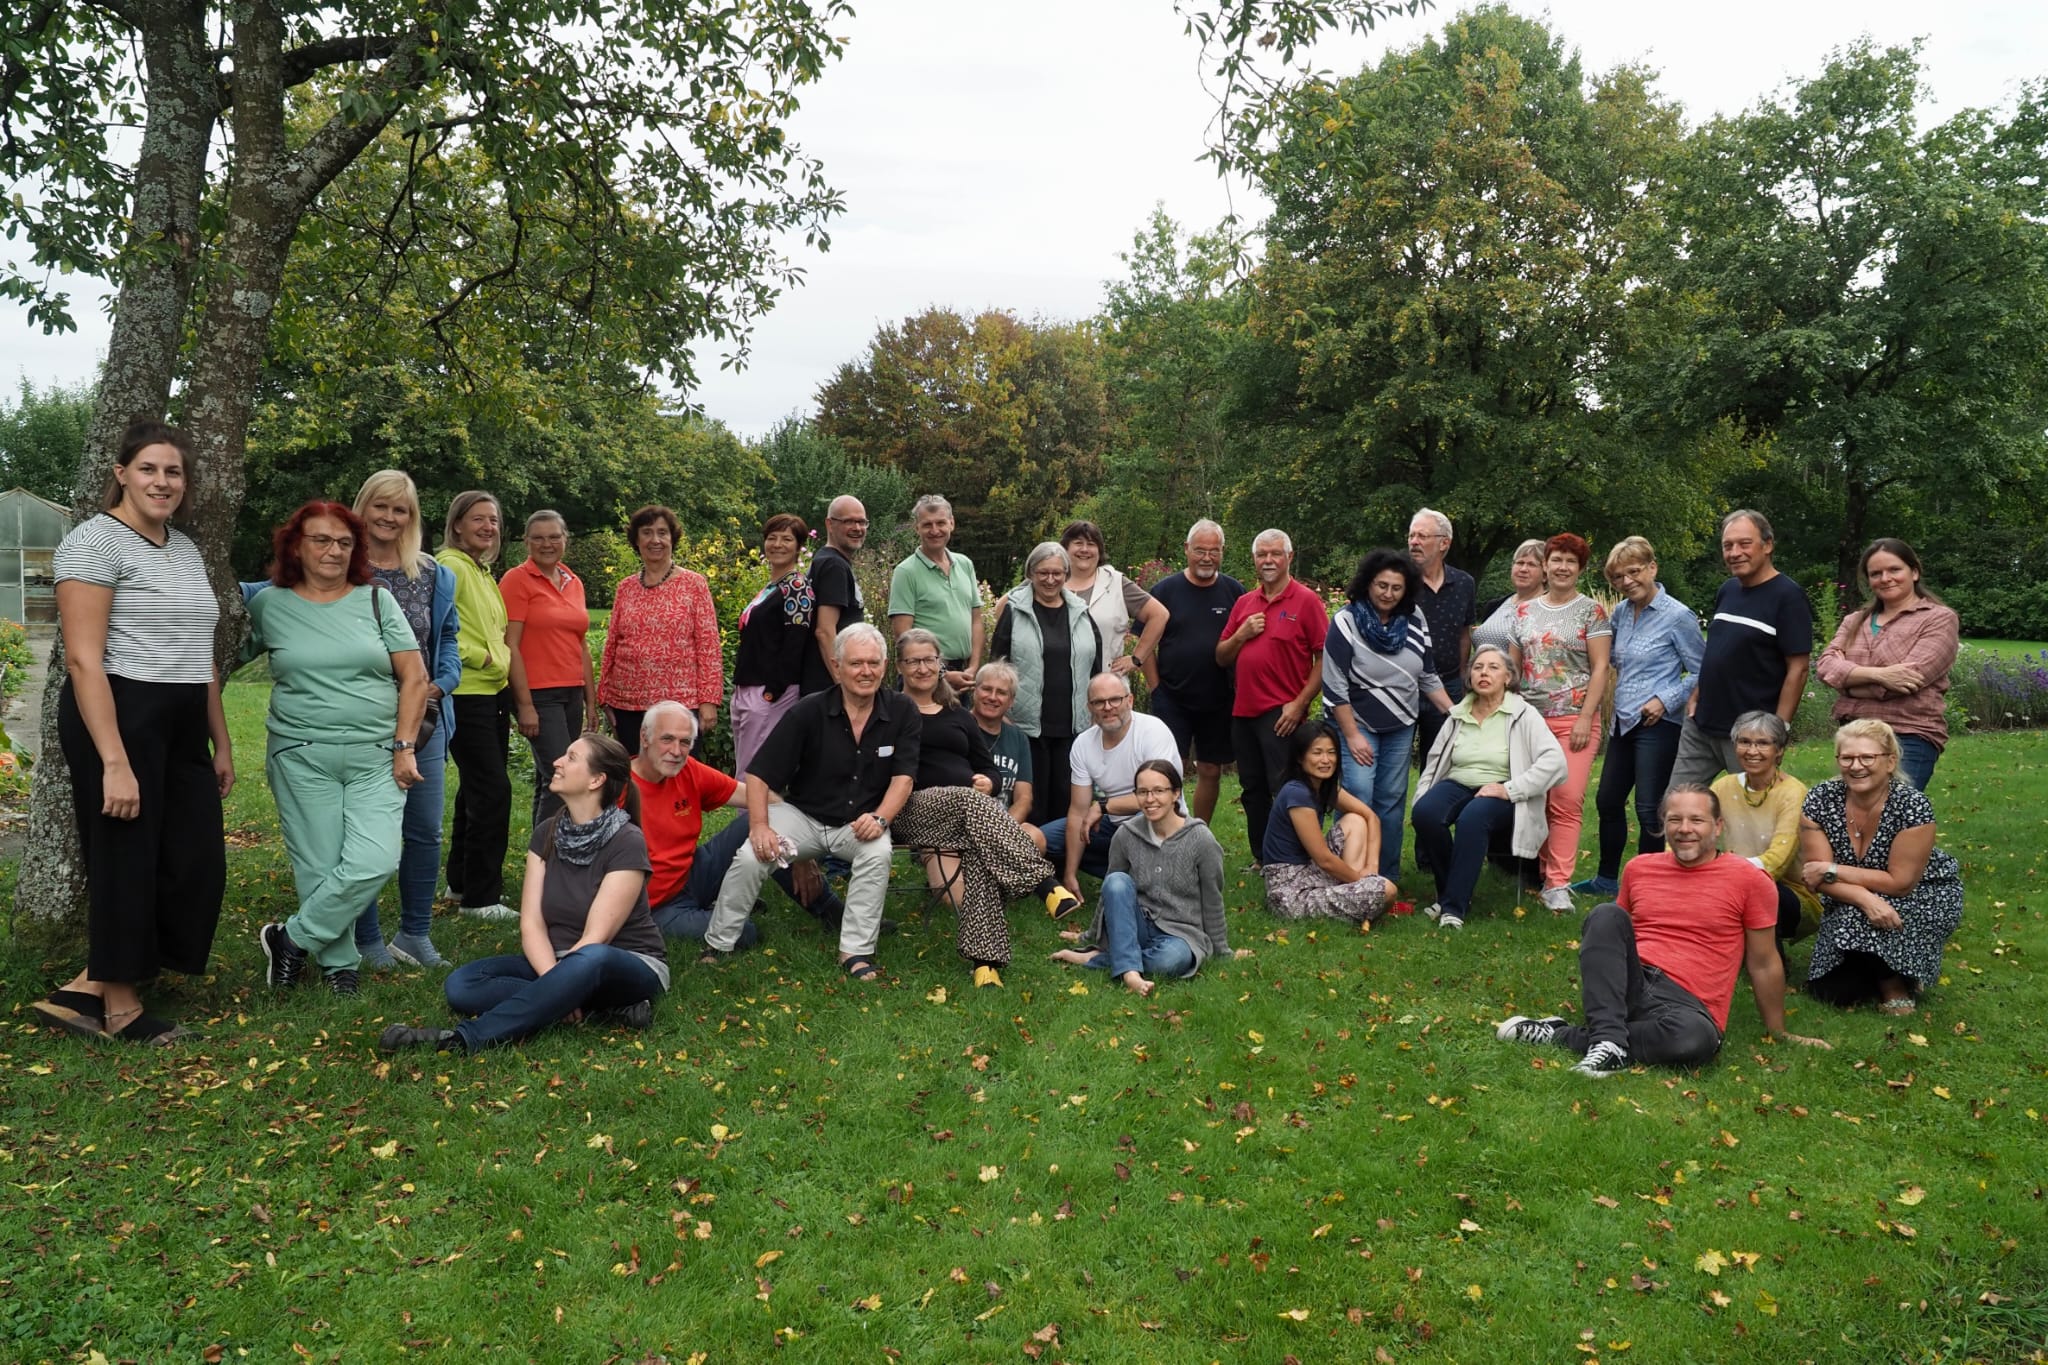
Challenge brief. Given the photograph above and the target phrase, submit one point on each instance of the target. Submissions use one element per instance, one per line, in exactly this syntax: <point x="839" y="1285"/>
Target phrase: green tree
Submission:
<point x="41" y="434"/>
<point x="1869" y="297"/>
<point x="1448" y="275"/>
<point x="802" y="470"/>
<point x="1008" y="419"/>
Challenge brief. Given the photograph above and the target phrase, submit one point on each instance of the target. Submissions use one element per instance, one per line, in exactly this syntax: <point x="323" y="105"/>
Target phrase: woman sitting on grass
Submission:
<point x="1311" y="870"/>
<point x="589" y="943"/>
<point x="1161" y="907"/>
<point x="1889" y="897"/>
<point x="1760" y="817"/>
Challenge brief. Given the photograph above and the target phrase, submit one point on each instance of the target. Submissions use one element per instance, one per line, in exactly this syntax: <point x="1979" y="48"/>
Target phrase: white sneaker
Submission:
<point x="1433" y="911"/>
<point x="1446" y="920"/>
<point x="1520" y="1028"/>
<point x="1557" y="898"/>
<point x="1603" y="1060"/>
<point x="496" y="910"/>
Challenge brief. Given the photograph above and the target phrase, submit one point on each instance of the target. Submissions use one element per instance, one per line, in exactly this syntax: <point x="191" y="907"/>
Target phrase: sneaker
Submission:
<point x="1446" y="920"/>
<point x="377" y="957"/>
<point x="287" y="959"/>
<point x="345" y="982"/>
<point x="1600" y="888"/>
<point x="1433" y="911"/>
<point x="1557" y="898"/>
<point x="417" y="950"/>
<point x="987" y="976"/>
<point x="398" y="1037"/>
<point x="1603" y="1060"/>
<point x="638" y="1015"/>
<point x="496" y="910"/>
<point x="1521" y="1028"/>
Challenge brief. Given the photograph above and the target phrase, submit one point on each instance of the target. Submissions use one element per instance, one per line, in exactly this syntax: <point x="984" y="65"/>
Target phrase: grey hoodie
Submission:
<point x="1180" y="883"/>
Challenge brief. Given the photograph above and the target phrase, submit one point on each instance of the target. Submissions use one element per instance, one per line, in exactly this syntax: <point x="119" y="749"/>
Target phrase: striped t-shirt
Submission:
<point x="160" y="627"/>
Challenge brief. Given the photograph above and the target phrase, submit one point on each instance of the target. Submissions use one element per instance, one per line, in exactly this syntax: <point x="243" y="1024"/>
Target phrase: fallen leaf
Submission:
<point x="991" y="1173"/>
<point x="1296" y="1314"/>
<point x="1942" y="1091"/>
<point x="1474" y="1292"/>
<point x="1720" y="1300"/>
<point x="762" y="1261"/>
<point x="1909" y="1196"/>
<point x="1765" y="1304"/>
<point x="1917" y="1039"/>
<point x="868" y="1304"/>
<point x="1077" y="989"/>
<point x="1710" y="1261"/>
<point x="719" y="1132"/>
<point x="938" y="996"/>
<point x="1729" y="1139"/>
<point x="386" y="1151"/>
<point x="1604" y="1202"/>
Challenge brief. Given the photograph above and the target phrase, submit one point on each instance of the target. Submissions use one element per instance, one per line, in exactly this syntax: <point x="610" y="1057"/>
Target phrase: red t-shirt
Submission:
<point x="554" y="622"/>
<point x="672" y="818"/>
<point x="1275" y="664"/>
<point x="1690" y="922"/>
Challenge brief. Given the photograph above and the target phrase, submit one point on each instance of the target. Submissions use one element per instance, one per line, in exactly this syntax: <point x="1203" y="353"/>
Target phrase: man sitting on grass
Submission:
<point x="1657" y="966"/>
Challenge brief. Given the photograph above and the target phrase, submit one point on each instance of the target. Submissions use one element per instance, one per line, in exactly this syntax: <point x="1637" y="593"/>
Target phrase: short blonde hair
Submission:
<point x="1867" y="727"/>
<point x="1629" y="550"/>
<point x="395" y="485"/>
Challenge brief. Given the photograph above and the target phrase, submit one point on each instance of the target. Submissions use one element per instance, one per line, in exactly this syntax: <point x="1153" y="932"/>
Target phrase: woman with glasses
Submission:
<point x="1048" y="636"/>
<point x="1891" y="660"/>
<point x="976" y="853"/>
<point x="1889" y="898"/>
<point x="1161" y="908"/>
<point x="1760" y="808"/>
<point x="1525" y="574"/>
<point x="547" y="631"/>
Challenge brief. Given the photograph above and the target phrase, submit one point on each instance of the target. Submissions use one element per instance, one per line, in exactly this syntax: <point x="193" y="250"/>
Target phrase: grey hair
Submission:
<point x="942" y="691"/>
<point x="1119" y="679"/>
<point x="1044" y="550"/>
<point x="1533" y="548"/>
<point x="1756" y="519"/>
<point x="1201" y="525"/>
<point x="670" y="704"/>
<point x="1274" y="533"/>
<point x="858" y="631"/>
<point x="999" y="670"/>
<point x="1769" y="724"/>
<point x="931" y="502"/>
<point x="546" y="514"/>
<point x="1443" y="523"/>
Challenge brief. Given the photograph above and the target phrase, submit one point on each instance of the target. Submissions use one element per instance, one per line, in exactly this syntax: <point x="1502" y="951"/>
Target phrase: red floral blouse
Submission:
<point x="661" y="644"/>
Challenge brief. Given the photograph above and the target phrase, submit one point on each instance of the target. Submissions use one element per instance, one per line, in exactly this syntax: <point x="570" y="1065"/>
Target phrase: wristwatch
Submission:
<point x="880" y="819"/>
<point x="1828" y="876"/>
<point x="399" y="746"/>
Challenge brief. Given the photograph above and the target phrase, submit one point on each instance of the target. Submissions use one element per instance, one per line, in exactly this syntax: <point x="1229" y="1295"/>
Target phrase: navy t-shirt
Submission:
<point x="1187" y="652"/>
<point x="1751" y="634"/>
<point x="1283" y="845"/>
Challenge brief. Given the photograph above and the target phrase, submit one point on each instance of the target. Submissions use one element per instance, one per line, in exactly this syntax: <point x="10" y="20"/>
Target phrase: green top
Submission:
<point x="480" y="626"/>
<point x="942" y="603"/>
<point x="1479" y="752"/>
<point x="332" y="680"/>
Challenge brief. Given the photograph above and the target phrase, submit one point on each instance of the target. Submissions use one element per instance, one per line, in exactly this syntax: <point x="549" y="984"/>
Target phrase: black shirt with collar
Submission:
<point x="812" y="758"/>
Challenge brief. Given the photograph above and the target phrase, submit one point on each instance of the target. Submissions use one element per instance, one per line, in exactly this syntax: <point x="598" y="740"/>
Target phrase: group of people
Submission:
<point x="1009" y="756"/>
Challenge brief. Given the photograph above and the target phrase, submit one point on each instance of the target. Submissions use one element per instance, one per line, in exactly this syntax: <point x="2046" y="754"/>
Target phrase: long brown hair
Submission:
<point x="609" y="759"/>
<point x="1890" y="545"/>
<point x="140" y="436"/>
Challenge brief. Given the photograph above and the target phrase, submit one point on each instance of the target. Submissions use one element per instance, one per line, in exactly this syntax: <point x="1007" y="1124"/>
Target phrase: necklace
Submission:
<point x="667" y="574"/>
<point x="1763" y="794"/>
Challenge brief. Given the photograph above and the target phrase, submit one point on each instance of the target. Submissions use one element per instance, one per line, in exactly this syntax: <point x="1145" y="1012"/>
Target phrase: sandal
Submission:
<point x="712" y="957"/>
<point x="1904" y="1004"/>
<point x="1060" y="902"/>
<point x="148" y="1029"/>
<point x="78" y="1012"/>
<point x="860" y="969"/>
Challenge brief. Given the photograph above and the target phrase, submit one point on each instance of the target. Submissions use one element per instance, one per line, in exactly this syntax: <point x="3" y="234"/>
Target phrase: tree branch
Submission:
<point x="302" y="63"/>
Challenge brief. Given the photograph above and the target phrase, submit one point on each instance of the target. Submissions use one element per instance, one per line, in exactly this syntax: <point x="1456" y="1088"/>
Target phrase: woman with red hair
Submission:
<point x="347" y="693"/>
<point x="1562" y="645"/>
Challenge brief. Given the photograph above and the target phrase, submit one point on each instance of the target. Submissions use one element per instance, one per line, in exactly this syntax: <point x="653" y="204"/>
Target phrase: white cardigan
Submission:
<point x="1535" y="765"/>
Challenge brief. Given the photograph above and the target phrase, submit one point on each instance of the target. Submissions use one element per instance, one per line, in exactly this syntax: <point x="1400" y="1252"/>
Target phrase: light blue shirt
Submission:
<point x="1657" y="653"/>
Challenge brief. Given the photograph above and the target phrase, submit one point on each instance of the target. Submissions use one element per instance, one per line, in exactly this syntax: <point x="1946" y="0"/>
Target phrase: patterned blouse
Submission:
<point x="1557" y="663"/>
<point x="661" y="644"/>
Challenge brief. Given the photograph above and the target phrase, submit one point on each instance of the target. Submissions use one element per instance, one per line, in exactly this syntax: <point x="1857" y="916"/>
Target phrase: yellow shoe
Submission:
<point x="1060" y="902"/>
<point x="987" y="976"/>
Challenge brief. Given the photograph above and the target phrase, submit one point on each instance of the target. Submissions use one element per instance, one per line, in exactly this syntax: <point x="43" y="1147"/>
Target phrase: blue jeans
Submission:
<point x="1917" y="758"/>
<point x="1454" y="827"/>
<point x="419" y="857"/>
<point x="1131" y="942"/>
<point x="1383" y="785"/>
<point x="511" y="1002"/>
<point x="1094" y="858"/>
<point x="687" y="914"/>
<point x="1639" y="761"/>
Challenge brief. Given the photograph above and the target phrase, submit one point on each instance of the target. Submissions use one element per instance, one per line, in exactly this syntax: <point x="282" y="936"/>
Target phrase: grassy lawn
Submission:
<point x="1319" y="1153"/>
<point x="2009" y="649"/>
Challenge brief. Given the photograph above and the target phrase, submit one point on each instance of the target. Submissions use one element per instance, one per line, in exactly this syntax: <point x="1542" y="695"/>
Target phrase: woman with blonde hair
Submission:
<point x="424" y="592"/>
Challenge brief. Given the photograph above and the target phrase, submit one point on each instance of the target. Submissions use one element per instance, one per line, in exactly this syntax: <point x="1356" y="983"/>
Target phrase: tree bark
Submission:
<point x="155" y="274"/>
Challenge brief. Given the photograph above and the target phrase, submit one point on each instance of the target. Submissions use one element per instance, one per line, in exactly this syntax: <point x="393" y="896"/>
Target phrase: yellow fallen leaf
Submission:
<point x="1729" y="1139"/>
<point x="1296" y="1314"/>
<point x="39" y="1070"/>
<point x="1077" y="989"/>
<point x="937" y="997"/>
<point x="1720" y="1300"/>
<point x="1765" y="1304"/>
<point x="991" y="1173"/>
<point x="1322" y="1231"/>
<point x="719" y="1132"/>
<point x="1910" y="1196"/>
<point x="1467" y="1225"/>
<point x="1746" y="1259"/>
<point x="1474" y="1292"/>
<point x="765" y="1257"/>
<point x="1917" y="1039"/>
<point x="386" y="1151"/>
<point x="1710" y="1261"/>
<point x="1942" y="1091"/>
<point x="597" y="1140"/>
<point x="868" y="1304"/>
<point x="1255" y="1035"/>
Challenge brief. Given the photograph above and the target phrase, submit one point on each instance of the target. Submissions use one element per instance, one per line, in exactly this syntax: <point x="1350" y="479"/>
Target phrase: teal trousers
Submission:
<point x="342" y="815"/>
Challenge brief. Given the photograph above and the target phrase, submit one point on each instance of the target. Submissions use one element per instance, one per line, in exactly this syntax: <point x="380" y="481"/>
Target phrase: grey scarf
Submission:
<point x="579" y="844"/>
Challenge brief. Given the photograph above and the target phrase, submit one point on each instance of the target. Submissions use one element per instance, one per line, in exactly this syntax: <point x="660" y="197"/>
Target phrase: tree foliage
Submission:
<point x="1006" y="418"/>
<point x="41" y="435"/>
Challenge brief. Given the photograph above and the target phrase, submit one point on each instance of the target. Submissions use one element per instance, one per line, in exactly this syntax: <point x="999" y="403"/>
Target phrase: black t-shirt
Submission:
<point x="1056" y="696"/>
<point x="1752" y="633"/>
<point x="953" y="751"/>
<point x="833" y="585"/>
<point x="1449" y="610"/>
<point x="1187" y="651"/>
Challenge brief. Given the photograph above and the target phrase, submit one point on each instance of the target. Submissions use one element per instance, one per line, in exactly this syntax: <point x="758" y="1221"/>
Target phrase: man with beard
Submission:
<point x="1192" y="692"/>
<point x="1104" y="773"/>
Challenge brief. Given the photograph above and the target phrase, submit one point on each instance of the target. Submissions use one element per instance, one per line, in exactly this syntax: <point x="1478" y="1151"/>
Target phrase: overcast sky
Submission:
<point x="1002" y="153"/>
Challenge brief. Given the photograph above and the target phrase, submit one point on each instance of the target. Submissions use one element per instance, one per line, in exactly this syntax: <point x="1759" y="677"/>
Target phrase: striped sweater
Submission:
<point x="1382" y="690"/>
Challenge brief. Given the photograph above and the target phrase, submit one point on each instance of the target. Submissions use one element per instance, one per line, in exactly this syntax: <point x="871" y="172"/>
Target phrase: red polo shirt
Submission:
<point x="672" y="818"/>
<point x="1274" y="665"/>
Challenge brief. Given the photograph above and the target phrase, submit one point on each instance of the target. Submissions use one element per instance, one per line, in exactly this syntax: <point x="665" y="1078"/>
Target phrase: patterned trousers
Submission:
<point x="998" y="861"/>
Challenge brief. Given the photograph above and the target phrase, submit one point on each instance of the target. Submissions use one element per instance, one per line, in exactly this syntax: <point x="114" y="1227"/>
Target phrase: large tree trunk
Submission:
<point x="149" y="320"/>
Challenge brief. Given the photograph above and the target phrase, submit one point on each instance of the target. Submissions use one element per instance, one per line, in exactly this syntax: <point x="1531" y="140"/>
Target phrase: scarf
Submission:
<point x="579" y="844"/>
<point x="1384" y="637"/>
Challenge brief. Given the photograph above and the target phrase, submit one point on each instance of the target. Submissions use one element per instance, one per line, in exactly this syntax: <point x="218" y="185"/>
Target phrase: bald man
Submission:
<point x="835" y="588"/>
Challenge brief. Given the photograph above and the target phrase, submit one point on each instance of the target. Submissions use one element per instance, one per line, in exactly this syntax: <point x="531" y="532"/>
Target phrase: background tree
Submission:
<point x="1871" y="298"/>
<point x="802" y="470"/>
<point x="1008" y="419"/>
<point x="41" y="433"/>
<point x="1448" y="272"/>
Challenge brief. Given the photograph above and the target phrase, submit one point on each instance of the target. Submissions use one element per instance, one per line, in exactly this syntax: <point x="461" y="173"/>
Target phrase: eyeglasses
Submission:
<point x="1143" y="792"/>
<point x="1755" y="744"/>
<point x="1859" y="760"/>
<point x="342" y="543"/>
<point x="1105" y="703"/>
<point x="849" y="521"/>
<point x="932" y="662"/>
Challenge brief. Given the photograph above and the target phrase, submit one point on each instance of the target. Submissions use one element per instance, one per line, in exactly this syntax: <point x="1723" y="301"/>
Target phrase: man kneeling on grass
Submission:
<point x="1657" y="966"/>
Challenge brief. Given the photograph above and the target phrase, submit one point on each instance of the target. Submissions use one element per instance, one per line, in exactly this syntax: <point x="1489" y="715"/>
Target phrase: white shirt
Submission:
<point x="1114" y="772"/>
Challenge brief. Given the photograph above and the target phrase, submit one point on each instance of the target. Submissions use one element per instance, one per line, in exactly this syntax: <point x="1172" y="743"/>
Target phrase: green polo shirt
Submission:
<point x="942" y="603"/>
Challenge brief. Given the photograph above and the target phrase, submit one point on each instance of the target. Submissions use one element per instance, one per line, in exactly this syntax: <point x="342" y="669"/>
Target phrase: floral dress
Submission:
<point x="1928" y="913"/>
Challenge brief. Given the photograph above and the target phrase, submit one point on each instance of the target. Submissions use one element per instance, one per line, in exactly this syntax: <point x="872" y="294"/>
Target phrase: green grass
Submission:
<point x="1327" y="1129"/>
<point x="2009" y="649"/>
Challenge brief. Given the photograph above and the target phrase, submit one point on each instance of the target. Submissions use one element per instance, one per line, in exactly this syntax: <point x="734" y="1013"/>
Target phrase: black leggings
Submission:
<point x="483" y="797"/>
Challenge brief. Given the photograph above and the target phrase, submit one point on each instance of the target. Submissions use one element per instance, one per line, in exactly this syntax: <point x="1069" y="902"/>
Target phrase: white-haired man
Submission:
<point x="935" y="588"/>
<point x="1102" y="772"/>
<point x="1194" y="692"/>
<point x="1449" y="600"/>
<point x="1273" y="637"/>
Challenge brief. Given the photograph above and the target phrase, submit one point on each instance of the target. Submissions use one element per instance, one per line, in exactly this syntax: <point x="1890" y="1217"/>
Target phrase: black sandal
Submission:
<point x="78" y="1012"/>
<point x="860" y="969"/>
<point x="148" y="1029"/>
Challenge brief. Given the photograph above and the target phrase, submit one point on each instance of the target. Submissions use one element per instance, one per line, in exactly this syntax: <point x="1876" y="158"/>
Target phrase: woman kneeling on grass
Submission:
<point x="1161" y="907"/>
<point x="1310" y="872"/>
<point x="589" y="942"/>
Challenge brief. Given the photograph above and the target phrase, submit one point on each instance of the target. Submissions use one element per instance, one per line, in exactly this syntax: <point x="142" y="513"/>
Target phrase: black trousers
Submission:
<point x="1050" y="779"/>
<point x="561" y="723"/>
<point x="483" y="797"/>
<point x="154" y="883"/>
<point x="1630" y="1002"/>
<point x="1261" y="763"/>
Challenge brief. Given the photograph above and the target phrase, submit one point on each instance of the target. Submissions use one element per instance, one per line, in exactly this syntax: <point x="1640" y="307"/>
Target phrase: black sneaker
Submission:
<point x="344" y="981"/>
<point x="1522" y="1029"/>
<point x="399" y="1037"/>
<point x="287" y="959"/>
<point x="1603" y="1060"/>
<point x="638" y="1015"/>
